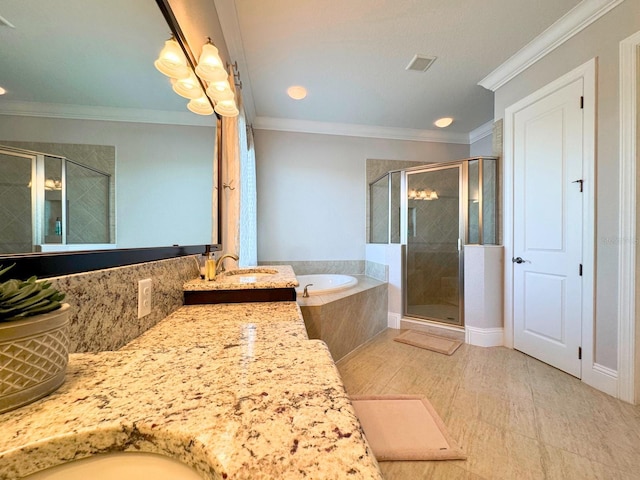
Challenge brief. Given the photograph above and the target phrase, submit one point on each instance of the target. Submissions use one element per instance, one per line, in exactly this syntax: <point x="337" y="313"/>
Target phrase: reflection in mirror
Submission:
<point x="70" y="203"/>
<point x="81" y="74"/>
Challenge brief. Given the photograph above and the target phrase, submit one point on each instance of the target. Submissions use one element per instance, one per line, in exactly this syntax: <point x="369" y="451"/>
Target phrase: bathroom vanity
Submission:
<point x="273" y="283"/>
<point x="231" y="390"/>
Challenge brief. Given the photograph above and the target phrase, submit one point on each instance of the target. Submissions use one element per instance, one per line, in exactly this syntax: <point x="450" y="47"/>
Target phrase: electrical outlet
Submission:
<point x="144" y="297"/>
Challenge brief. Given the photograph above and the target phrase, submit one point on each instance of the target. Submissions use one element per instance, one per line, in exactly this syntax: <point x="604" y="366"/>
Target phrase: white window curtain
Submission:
<point x="239" y="223"/>
<point x="248" y="195"/>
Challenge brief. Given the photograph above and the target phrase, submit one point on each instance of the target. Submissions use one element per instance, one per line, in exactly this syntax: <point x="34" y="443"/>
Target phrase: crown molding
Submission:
<point x="482" y="131"/>
<point x="112" y="114"/>
<point x="356" y="130"/>
<point x="574" y="21"/>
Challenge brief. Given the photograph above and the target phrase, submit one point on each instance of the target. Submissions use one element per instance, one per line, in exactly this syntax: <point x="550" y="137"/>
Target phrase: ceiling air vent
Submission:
<point x="6" y="23"/>
<point x="420" y="63"/>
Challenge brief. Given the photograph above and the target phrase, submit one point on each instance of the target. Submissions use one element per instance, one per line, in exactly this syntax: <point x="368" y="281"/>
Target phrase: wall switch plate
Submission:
<point x="144" y="297"/>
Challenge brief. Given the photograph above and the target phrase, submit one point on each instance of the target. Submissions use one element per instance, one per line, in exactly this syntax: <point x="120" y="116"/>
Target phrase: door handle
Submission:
<point x="518" y="260"/>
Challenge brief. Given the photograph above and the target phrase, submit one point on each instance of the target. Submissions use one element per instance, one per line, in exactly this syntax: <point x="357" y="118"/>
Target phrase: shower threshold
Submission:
<point x="447" y="314"/>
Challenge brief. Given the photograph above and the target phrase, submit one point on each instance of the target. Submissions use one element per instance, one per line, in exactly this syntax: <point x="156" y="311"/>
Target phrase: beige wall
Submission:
<point x="164" y="174"/>
<point x="312" y="191"/>
<point x="600" y="40"/>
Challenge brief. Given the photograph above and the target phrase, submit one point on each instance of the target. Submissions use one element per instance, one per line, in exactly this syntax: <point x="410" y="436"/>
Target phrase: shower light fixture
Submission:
<point x="209" y="72"/>
<point x="422" y="194"/>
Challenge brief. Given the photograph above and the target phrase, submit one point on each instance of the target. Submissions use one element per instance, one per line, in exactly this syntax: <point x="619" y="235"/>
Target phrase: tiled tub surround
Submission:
<point x="104" y="303"/>
<point x="346" y="319"/>
<point x="284" y="278"/>
<point x="235" y="391"/>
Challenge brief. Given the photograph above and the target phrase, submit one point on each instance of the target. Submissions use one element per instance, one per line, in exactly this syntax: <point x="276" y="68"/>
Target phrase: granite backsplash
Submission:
<point x="104" y="303"/>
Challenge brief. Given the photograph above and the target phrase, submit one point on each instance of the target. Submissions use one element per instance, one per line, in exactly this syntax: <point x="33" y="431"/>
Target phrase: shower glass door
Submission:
<point x="434" y="235"/>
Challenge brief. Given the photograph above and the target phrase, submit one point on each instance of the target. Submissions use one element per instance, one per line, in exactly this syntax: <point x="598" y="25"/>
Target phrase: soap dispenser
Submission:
<point x="210" y="268"/>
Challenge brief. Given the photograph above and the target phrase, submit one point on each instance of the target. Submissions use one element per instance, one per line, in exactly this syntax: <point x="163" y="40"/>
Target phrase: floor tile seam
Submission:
<point x="591" y="460"/>
<point x="613" y="464"/>
<point x="536" y="421"/>
<point x="503" y="431"/>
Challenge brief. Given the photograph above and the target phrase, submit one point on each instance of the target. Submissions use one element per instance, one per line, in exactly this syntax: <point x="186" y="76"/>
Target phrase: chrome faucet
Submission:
<point x="305" y="292"/>
<point x="220" y="262"/>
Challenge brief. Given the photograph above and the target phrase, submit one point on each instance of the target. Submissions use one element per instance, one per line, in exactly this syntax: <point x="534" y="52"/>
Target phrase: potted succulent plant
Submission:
<point x="34" y="340"/>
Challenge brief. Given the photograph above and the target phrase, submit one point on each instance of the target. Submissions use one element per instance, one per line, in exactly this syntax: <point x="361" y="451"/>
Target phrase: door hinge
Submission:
<point x="579" y="353"/>
<point x="581" y="182"/>
<point x="581" y="102"/>
<point x="580" y="270"/>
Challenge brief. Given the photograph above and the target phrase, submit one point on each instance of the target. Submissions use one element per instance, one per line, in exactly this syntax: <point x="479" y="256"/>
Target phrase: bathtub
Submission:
<point x="347" y="316"/>
<point x="320" y="284"/>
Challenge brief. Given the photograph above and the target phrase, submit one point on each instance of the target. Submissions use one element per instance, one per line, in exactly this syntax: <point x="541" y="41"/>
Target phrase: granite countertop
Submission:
<point x="233" y="390"/>
<point x="262" y="277"/>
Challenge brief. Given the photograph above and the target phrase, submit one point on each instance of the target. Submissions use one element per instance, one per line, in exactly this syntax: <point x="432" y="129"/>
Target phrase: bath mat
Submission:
<point x="404" y="427"/>
<point x="428" y="341"/>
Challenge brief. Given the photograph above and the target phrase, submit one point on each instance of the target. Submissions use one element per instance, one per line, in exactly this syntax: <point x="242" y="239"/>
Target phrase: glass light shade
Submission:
<point x="188" y="87"/>
<point x="216" y="76"/>
<point x="227" y="108"/>
<point x="433" y="196"/>
<point x="201" y="106"/>
<point x="172" y="61"/>
<point x="209" y="64"/>
<point x="220" y="91"/>
<point x="220" y="95"/>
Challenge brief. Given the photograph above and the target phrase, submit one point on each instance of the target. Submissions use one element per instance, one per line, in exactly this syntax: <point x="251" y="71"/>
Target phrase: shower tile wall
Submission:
<point x="379" y="205"/>
<point x="429" y="252"/>
<point x="15" y="205"/>
<point x="375" y="168"/>
<point x="88" y="200"/>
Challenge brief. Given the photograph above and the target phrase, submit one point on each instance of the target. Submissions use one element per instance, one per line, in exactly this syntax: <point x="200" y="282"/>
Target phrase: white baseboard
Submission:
<point x="393" y="320"/>
<point x="484" y="337"/>
<point x="601" y="378"/>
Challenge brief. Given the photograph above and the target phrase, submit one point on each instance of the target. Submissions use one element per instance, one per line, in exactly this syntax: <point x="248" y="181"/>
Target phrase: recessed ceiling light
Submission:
<point x="443" y="122"/>
<point x="2" y="91"/>
<point x="297" y="92"/>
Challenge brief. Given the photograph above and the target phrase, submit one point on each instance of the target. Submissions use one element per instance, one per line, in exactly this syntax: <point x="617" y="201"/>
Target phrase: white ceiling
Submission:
<point x="70" y="56"/>
<point x="351" y="56"/>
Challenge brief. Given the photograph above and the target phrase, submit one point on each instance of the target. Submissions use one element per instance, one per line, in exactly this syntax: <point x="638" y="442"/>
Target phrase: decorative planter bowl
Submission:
<point x="34" y="353"/>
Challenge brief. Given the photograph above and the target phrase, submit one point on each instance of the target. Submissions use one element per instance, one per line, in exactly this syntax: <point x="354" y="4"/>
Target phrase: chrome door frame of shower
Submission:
<point x="462" y="166"/>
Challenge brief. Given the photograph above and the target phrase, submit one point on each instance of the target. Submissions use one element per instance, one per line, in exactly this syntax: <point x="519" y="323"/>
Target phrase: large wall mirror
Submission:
<point x="80" y="73"/>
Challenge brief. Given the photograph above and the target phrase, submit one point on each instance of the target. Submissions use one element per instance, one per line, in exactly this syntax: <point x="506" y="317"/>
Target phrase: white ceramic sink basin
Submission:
<point x="252" y="271"/>
<point x="120" y="466"/>
<point x="246" y="275"/>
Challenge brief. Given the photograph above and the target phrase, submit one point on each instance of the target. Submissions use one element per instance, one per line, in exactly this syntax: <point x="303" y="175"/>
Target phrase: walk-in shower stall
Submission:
<point x="48" y="201"/>
<point x="433" y="211"/>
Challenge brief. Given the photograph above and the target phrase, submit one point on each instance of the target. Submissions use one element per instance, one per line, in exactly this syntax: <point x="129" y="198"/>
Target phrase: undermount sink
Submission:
<point x="246" y="275"/>
<point x="252" y="271"/>
<point x="119" y="466"/>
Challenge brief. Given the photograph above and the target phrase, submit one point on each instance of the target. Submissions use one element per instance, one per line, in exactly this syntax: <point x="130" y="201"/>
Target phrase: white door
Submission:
<point x="547" y="282"/>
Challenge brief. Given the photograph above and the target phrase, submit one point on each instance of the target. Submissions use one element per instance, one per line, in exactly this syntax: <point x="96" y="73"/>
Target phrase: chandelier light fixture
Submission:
<point x="207" y="88"/>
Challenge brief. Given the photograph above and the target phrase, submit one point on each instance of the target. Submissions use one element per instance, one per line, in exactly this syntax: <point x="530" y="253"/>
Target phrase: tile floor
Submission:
<point x="515" y="417"/>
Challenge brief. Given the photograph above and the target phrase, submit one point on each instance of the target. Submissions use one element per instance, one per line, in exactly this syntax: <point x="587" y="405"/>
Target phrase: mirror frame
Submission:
<point x="46" y="265"/>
